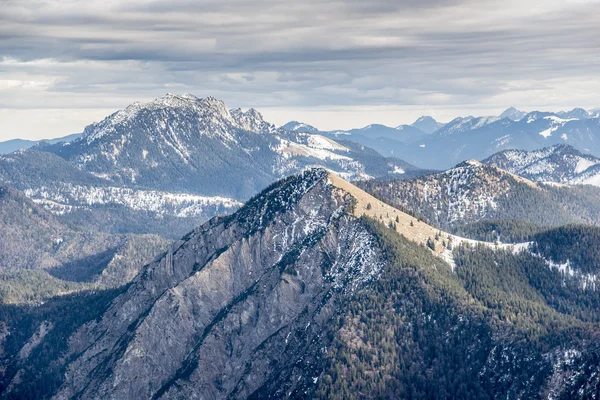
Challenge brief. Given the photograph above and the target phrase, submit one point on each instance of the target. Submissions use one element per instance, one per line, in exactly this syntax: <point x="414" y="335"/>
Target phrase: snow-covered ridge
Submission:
<point x="68" y="197"/>
<point x="559" y="164"/>
<point x="210" y="109"/>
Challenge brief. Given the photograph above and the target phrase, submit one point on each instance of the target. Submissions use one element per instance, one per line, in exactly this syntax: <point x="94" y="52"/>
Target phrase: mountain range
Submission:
<point x="171" y="164"/>
<point x="426" y="143"/>
<point x="478" y="138"/>
<point x="432" y="145"/>
<point x="13" y="145"/>
<point x="182" y="249"/>
<point x="316" y="289"/>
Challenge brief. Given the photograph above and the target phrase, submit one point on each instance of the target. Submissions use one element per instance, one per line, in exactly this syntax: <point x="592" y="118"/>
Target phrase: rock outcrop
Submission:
<point x="235" y="309"/>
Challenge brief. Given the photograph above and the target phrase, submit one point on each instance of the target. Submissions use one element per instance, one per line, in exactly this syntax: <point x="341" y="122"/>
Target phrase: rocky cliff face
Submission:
<point x="235" y="309"/>
<point x="297" y="295"/>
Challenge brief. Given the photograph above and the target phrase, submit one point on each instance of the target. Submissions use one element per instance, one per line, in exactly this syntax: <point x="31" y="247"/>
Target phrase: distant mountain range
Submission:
<point x="10" y="146"/>
<point x="560" y="164"/>
<point x="170" y="164"/>
<point x="466" y="138"/>
<point x="432" y="145"/>
<point x="425" y="143"/>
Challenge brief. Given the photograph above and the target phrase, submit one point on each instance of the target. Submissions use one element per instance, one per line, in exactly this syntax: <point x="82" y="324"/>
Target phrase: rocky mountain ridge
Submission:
<point x="298" y="295"/>
<point x="170" y="164"/>
<point x="472" y="191"/>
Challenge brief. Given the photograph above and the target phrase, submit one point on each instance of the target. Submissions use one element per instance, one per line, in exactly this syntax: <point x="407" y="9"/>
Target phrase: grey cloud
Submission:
<point x="310" y="53"/>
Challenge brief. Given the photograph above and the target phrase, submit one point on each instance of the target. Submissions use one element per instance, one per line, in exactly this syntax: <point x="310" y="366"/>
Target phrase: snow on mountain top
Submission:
<point x="296" y="126"/>
<point x="513" y="114"/>
<point x="555" y="118"/>
<point x="211" y="110"/>
<point x="461" y="124"/>
<point x="322" y="142"/>
<point x="559" y="164"/>
<point x="425" y="118"/>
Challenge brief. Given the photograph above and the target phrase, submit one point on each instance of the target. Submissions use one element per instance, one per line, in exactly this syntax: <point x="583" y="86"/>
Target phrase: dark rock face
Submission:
<point x="235" y="306"/>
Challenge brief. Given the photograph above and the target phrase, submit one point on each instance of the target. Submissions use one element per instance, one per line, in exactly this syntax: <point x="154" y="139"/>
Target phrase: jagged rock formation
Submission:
<point x="235" y="304"/>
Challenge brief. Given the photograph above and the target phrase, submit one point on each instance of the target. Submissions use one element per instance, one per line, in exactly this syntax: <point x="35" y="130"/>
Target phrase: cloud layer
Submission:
<point x="337" y="62"/>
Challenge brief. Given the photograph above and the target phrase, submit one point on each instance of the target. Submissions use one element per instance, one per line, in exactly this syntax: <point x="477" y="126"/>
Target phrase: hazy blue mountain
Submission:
<point x="513" y="114"/>
<point x="576" y="113"/>
<point x="386" y="140"/>
<point x="478" y="138"/>
<point x="10" y="146"/>
<point x="403" y="133"/>
<point x="427" y="124"/>
<point x="15" y="144"/>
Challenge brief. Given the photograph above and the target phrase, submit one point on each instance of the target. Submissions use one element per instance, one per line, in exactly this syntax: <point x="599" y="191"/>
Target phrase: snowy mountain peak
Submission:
<point x="513" y="114"/>
<point x="251" y="120"/>
<point x="460" y="125"/>
<point x="576" y="113"/>
<point x="296" y="126"/>
<point x="427" y="124"/>
<point x="170" y="109"/>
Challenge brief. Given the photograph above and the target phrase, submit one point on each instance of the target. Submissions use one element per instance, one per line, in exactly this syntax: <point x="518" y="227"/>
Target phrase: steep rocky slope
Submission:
<point x="231" y="298"/>
<point x="299" y="295"/>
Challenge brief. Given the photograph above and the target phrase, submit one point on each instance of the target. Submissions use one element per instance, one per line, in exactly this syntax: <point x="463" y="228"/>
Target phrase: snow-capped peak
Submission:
<point x="212" y="111"/>
<point x="513" y="114"/>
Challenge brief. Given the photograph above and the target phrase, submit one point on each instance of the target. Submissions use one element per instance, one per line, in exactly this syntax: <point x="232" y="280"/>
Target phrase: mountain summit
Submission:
<point x="303" y="293"/>
<point x="513" y="114"/>
<point x="427" y="124"/>
<point x="561" y="164"/>
<point x="197" y="145"/>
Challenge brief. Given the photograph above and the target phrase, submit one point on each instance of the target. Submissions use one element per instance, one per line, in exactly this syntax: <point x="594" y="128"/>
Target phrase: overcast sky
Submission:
<point x="334" y="64"/>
